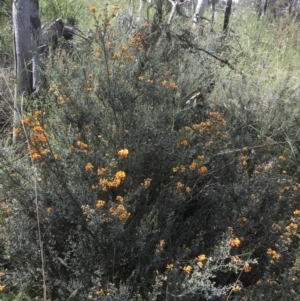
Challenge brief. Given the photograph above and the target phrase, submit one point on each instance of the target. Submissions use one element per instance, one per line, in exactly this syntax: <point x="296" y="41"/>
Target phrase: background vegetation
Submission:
<point x="129" y="192"/>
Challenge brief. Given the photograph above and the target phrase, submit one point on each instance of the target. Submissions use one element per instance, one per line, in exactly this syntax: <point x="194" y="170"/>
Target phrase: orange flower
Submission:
<point x="173" y="86"/>
<point x="36" y="156"/>
<point x="129" y="58"/>
<point x="184" y="143"/>
<point x="17" y="131"/>
<point x="282" y="158"/>
<point x="37" y="114"/>
<point x="38" y="129"/>
<point x="235" y="242"/>
<point x="201" y="257"/>
<point x="120" y="175"/>
<point x="179" y="185"/>
<point x="123" y="48"/>
<point x="188" y="189"/>
<point x="187" y="269"/>
<point x="45" y="152"/>
<point x="193" y="166"/>
<point x="247" y="268"/>
<point x="100" y="204"/>
<point x="164" y="82"/>
<point x="147" y="182"/>
<point x="119" y="198"/>
<point x="100" y="171"/>
<point x="116" y="7"/>
<point x="26" y="121"/>
<point x="89" y="167"/>
<point x="297" y="212"/>
<point x="170" y="266"/>
<point x="123" y="152"/>
<point x="82" y="145"/>
<point x="202" y="170"/>
<point x="116" y="55"/>
<point x="93" y="9"/>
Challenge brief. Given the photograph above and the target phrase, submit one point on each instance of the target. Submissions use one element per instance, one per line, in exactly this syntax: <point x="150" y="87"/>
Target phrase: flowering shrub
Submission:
<point x="139" y="195"/>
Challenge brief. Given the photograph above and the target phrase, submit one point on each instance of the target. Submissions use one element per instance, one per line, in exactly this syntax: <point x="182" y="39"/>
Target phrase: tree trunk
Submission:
<point x="199" y="12"/>
<point x="27" y="37"/>
<point x="227" y="15"/>
<point x="175" y="3"/>
<point x="264" y="5"/>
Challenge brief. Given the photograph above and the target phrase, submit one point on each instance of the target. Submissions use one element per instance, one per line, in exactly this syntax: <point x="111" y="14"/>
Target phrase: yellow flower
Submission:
<point x="108" y="23"/>
<point x="123" y="152"/>
<point x="89" y="167"/>
<point x="100" y="204"/>
<point x="110" y="44"/>
<point x="120" y="175"/>
<point x="235" y="242"/>
<point x="202" y="170"/>
<point x="116" y="7"/>
<point x="164" y="83"/>
<point x="282" y="158"/>
<point x="141" y="78"/>
<point x="2" y="287"/>
<point x="244" y="149"/>
<point x="187" y="269"/>
<point x="17" y="131"/>
<point x="49" y="210"/>
<point x="116" y="55"/>
<point x="119" y="198"/>
<point x="93" y="9"/>
<point x="201" y="158"/>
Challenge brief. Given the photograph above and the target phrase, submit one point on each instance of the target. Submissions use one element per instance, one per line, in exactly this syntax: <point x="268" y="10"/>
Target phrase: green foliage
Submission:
<point x="69" y="10"/>
<point x="137" y="194"/>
